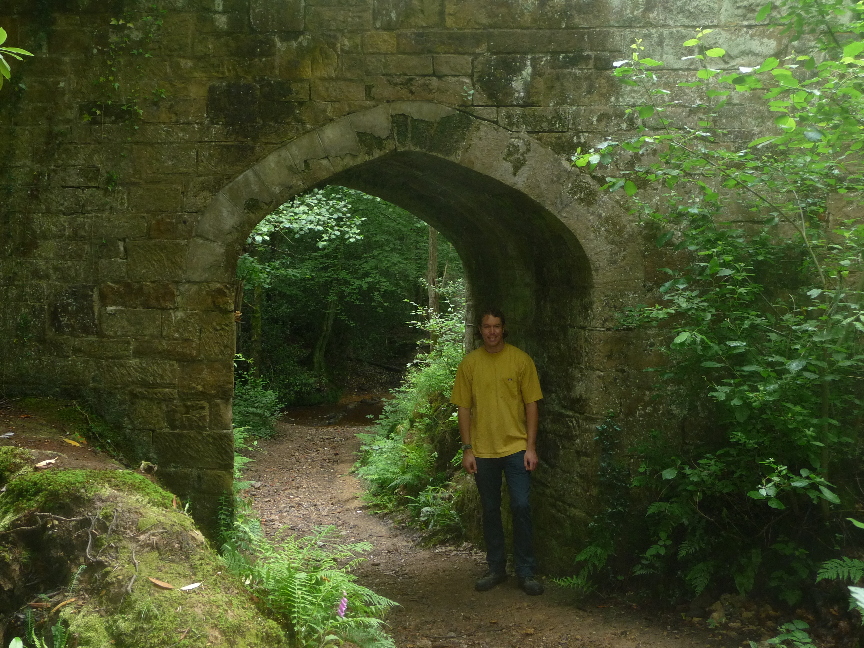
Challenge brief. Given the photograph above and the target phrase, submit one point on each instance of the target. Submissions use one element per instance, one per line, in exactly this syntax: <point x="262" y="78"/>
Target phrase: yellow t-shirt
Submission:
<point x="496" y="386"/>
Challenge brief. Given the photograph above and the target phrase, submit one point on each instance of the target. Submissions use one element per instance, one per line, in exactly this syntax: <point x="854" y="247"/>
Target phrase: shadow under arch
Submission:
<point x="537" y="238"/>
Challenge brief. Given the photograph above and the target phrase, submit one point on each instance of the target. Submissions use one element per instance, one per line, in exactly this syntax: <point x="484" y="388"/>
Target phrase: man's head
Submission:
<point x="492" y="330"/>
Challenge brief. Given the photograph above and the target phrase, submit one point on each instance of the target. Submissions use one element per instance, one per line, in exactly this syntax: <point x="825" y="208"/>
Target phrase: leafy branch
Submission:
<point x="13" y="52"/>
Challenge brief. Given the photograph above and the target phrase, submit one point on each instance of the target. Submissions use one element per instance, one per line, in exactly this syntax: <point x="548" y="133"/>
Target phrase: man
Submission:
<point x="496" y="391"/>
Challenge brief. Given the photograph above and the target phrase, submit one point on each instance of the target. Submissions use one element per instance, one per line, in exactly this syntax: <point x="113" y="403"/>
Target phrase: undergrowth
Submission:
<point x="304" y="583"/>
<point x="409" y="458"/>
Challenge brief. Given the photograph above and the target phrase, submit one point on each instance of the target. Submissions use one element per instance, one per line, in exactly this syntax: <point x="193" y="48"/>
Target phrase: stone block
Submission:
<point x="214" y="379"/>
<point x="171" y="226"/>
<point x="337" y="90"/>
<point x="222" y="219"/>
<point x="498" y="14"/>
<point x="452" y="65"/>
<point x="166" y="349"/>
<point x="547" y="41"/>
<point x="379" y="42"/>
<point x="181" y="325"/>
<point x="350" y="18"/>
<point x="156" y="197"/>
<point x="438" y="42"/>
<point x="194" y="449"/>
<point x="100" y="347"/>
<point x="156" y="260"/>
<point x="199" y="191"/>
<point x="120" y="375"/>
<point x="218" y="336"/>
<point x="401" y="64"/>
<point x="221" y="417"/>
<point x="276" y="15"/>
<point x="124" y="225"/>
<point x="279" y="172"/>
<point x="535" y="119"/>
<point x="112" y="269"/>
<point x="207" y="297"/>
<point x="138" y="294"/>
<point x="130" y="322"/>
<point x="148" y="414"/>
<point x="402" y="14"/>
<point x="251" y="197"/>
<point x="208" y="261"/>
<point x="188" y="415"/>
<point x="73" y="310"/>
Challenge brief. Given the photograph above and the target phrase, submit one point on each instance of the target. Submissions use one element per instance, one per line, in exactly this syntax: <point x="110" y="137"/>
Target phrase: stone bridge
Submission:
<point x="144" y="141"/>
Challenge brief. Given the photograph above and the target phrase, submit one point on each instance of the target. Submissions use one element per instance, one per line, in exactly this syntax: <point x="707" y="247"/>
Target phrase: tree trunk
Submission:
<point x="324" y="339"/>
<point x="432" y="272"/>
<point x="255" y="332"/>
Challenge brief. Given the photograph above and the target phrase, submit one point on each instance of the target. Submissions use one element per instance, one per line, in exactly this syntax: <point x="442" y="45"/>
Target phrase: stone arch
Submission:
<point x="537" y="238"/>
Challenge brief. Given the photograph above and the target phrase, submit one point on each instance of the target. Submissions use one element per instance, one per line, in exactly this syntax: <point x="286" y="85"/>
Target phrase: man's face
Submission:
<point x="492" y="331"/>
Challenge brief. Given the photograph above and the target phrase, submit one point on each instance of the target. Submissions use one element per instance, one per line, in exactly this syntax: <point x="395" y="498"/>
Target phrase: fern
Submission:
<point x="698" y="576"/>
<point x="845" y="569"/>
<point x="302" y="580"/>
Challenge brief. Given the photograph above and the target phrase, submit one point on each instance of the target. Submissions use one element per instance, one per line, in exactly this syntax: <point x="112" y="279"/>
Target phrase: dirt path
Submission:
<point x="302" y="481"/>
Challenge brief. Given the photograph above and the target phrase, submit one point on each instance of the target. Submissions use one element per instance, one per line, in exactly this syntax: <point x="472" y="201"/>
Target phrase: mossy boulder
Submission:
<point x="96" y="551"/>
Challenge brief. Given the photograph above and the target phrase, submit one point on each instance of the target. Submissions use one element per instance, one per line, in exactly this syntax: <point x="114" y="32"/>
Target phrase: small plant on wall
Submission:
<point x="12" y="52"/>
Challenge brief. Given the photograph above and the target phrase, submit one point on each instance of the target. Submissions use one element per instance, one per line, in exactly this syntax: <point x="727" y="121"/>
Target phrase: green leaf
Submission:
<point x="763" y="12"/>
<point x="776" y="504"/>
<point x="670" y="473"/>
<point x="2" y="35"/>
<point x="715" y="52"/>
<point x="858" y="524"/>
<point x="630" y="188"/>
<point x="650" y="62"/>
<point x="829" y="495"/>
<point x="646" y="111"/>
<point x="691" y="42"/>
<point x="851" y="50"/>
<point x="683" y="336"/>
<point x="769" y="64"/>
<point x="857" y="594"/>
<point x="664" y="238"/>
<point x="785" y="122"/>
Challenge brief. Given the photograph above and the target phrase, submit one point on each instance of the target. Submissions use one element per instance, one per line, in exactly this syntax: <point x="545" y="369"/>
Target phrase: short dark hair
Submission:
<point x="494" y="312"/>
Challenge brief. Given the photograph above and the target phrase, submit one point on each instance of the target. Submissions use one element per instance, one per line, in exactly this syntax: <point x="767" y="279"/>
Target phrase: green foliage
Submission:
<point x="255" y="407"/>
<point x="408" y="458"/>
<point x="14" y="52"/>
<point x="326" y="277"/>
<point x="59" y="636"/>
<point x="761" y="307"/>
<point x="793" y="634"/>
<point x="120" y="70"/>
<point x="307" y="584"/>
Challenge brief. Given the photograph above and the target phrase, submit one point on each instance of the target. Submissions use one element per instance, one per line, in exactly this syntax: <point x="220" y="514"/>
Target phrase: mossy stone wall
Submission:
<point x="144" y="140"/>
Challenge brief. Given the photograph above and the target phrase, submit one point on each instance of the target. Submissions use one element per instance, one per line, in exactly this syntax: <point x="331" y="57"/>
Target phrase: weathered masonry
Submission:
<point x="141" y="144"/>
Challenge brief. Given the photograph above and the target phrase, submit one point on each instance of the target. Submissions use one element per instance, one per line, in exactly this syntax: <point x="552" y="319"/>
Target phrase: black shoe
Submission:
<point x="530" y="585"/>
<point x="489" y="580"/>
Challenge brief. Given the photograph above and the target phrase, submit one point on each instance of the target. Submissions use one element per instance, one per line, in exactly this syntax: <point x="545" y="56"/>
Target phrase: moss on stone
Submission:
<point x="13" y="461"/>
<point x="99" y="537"/>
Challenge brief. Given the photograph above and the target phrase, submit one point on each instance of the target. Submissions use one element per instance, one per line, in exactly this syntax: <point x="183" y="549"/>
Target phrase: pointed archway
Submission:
<point x="537" y="238"/>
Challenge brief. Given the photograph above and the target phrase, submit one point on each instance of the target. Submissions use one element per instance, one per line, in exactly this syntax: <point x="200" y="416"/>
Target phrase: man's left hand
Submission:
<point x="530" y="459"/>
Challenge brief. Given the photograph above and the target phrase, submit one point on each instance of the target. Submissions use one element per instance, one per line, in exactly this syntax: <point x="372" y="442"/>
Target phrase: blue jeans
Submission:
<point x="488" y="479"/>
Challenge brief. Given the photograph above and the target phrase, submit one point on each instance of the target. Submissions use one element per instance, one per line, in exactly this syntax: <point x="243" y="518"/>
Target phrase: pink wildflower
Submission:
<point x="343" y="605"/>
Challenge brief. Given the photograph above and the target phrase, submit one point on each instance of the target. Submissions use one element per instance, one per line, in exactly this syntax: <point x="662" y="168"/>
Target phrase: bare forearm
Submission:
<point x="532" y="416"/>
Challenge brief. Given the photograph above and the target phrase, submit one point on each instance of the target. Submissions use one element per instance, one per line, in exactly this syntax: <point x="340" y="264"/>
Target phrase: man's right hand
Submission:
<point x="469" y="463"/>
